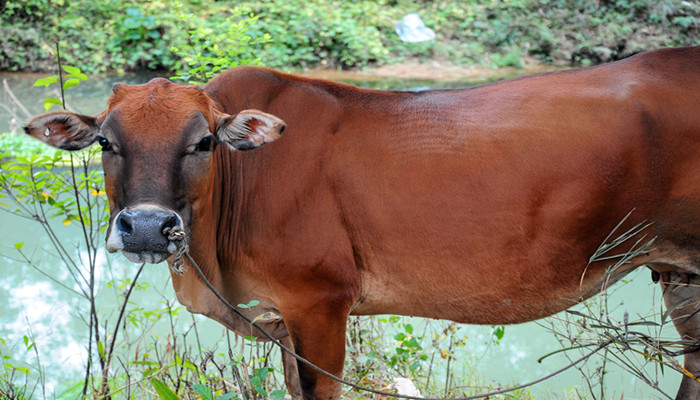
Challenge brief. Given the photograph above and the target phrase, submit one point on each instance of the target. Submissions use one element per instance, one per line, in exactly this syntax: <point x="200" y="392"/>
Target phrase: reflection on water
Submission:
<point x="54" y="315"/>
<point x="43" y="302"/>
<point x="87" y="98"/>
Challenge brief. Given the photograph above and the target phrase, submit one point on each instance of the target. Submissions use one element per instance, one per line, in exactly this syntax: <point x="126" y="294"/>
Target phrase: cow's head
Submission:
<point x="157" y="141"/>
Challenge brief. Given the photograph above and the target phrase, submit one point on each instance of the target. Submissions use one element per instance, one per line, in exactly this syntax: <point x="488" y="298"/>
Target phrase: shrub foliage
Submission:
<point x="115" y="35"/>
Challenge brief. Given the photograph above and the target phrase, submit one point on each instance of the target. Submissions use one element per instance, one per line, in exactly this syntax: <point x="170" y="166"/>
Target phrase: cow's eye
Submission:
<point x="206" y="144"/>
<point x="104" y="143"/>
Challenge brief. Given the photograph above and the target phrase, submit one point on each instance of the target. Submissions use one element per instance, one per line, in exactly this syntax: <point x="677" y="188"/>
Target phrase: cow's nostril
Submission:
<point x="125" y="224"/>
<point x="169" y="222"/>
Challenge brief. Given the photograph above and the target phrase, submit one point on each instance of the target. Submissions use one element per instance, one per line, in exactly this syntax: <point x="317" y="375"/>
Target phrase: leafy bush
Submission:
<point x="112" y="35"/>
<point x="222" y="46"/>
<point x="20" y="50"/>
<point x="331" y="32"/>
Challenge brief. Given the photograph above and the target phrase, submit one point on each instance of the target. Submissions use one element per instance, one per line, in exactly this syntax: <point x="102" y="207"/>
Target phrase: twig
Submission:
<point x="15" y="99"/>
<point x="42" y="375"/>
<point x="28" y="261"/>
<point x="122" y="310"/>
<point x="60" y="76"/>
<point x="12" y="113"/>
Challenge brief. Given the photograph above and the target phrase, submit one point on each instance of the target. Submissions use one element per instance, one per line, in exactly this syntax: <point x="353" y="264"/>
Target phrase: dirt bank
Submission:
<point x="434" y="70"/>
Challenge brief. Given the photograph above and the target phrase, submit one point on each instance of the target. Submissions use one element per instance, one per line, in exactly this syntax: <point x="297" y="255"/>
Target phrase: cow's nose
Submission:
<point x="142" y="230"/>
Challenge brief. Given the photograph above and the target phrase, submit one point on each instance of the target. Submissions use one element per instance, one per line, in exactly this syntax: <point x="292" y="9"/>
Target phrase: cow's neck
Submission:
<point x="214" y="238"/>
<point x="190" y="290"/>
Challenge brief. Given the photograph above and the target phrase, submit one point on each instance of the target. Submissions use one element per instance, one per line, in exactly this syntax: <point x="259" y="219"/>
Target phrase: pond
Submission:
<point x="41" y="302"/>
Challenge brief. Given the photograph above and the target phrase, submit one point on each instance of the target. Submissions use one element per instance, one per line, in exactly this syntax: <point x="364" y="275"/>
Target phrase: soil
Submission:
<point x="434" y="70"/>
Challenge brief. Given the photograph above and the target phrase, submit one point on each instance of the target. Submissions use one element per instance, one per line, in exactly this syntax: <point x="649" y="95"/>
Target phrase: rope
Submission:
<point x="177" y="235"/>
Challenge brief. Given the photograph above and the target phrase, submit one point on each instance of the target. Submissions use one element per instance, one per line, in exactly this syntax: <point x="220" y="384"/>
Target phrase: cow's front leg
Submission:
<point x="319" y="336"/>
<point x="291" y="371"/>
<point x="679" y="290"/>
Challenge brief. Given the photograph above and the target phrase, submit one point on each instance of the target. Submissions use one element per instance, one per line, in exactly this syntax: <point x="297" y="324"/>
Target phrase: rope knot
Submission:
<point x="177" y="235"/>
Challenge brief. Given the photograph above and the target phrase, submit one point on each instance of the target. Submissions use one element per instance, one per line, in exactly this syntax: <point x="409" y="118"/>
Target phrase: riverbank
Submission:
<point x="329" y="33"/>
<point x="436" y="71"/>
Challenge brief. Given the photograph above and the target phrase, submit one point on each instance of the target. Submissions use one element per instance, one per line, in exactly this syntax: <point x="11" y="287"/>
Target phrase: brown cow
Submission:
<point x="481" y="205"/>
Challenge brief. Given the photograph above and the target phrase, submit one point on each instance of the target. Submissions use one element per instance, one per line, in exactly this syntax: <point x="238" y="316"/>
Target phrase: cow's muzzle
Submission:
<point x="140" y="233"/>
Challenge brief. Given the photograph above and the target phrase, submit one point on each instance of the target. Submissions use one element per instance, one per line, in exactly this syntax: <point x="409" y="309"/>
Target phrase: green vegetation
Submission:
<point x="215" y="48"/>
<point x="124" y="357"/>
<point x="115" y="35"/>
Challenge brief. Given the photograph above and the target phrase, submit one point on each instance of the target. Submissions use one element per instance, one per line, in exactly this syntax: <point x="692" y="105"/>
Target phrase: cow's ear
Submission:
<point x="64" y="129"/>
<point x="249" y="129"/>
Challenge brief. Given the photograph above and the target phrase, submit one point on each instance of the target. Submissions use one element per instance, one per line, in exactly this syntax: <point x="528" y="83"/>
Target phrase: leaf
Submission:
<point x="134" y="13"/>
<point x="577" y="313"/>
<point x="412" y="342"/>
<point x="22" y="369"/>
<point x="74" y="73"/>
<point x="80" y="77"/>
<point x="45" y="82"/>
<point x="444" y="353"/>
<point x="50" y="102"/>
<point x="148" y="363"/>
<point x="262" y="374"/>
<point x="499" y="332"/>
<point x="164" y="392"/>
<point x="101" y="349"/>
<point x="19" y="245"/>
<point x="203" y="391"/>
<point x="154" y="34"/>
<point x="189" y="365"/>
<point x="71" y="70"/>
<point x="250" y="304"/>
<point x="267" y="316"/>
<point x="70" y="83"/>
<point x="644" y="323"/>
<point x="132" y="23"/>
<point x="277" y="394"/>
<point x="149" y="22"/>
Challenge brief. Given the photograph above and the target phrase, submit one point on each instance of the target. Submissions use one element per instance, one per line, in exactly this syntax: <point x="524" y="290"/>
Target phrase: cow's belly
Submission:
<point x="470" y="296"/>
<point x="521" y="293"/>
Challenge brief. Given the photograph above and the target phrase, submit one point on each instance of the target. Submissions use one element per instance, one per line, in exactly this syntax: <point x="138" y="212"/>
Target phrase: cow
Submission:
<point x="481" y="205"/>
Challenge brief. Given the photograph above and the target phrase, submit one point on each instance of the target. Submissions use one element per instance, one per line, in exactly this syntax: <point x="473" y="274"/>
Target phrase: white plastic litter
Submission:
<point x="406" y="387"/>
<point x="412" y="29"/>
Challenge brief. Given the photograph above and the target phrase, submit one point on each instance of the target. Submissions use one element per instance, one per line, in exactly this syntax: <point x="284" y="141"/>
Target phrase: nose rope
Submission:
<point x="177" y="235"/>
